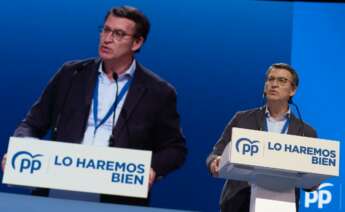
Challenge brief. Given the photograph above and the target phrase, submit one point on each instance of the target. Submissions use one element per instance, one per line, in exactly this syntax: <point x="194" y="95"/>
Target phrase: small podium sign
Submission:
<point x="74" y="167"/>
<point x="284" y="152"/>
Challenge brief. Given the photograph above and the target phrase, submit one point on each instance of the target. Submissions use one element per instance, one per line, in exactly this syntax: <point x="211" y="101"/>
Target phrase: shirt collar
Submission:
<point x="285" y="116"/>
<point x="128" y="73"/>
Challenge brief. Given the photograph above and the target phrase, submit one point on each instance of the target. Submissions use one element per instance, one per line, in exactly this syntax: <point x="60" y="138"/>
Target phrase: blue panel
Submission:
<point x="318" y="54"/>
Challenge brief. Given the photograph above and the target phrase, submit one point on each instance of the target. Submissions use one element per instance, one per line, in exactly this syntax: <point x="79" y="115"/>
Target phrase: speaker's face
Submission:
<point x="279" y="85"/>
<point x="117" y="39"/>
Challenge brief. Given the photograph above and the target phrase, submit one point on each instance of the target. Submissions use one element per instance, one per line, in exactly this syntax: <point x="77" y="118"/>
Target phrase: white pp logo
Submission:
<point x="322" y="197"/>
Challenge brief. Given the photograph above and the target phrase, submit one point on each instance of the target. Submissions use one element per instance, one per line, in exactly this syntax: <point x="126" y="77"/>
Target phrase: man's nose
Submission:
<point x="275" y="83"/>
<point x="108" y="38"/>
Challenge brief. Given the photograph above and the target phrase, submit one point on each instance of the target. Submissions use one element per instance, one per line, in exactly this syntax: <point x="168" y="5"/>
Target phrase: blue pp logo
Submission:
<point x="26" y="161"/>
<point x="246" y="146"/>
<point x="322" y="196"/>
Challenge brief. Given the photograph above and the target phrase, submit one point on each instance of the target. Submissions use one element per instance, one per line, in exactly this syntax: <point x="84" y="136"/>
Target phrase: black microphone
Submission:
<point x="263" y="97"/>
<point x="115" y="76"/>
<point x="112" y="138"/>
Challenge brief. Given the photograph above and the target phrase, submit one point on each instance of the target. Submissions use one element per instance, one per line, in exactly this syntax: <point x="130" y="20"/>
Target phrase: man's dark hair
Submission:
<point x="295" y="79"/>
<point x="142" y="24"/>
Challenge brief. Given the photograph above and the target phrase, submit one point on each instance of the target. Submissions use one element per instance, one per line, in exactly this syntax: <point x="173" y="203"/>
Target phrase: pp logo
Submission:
<point x="321" y="197"/>
<point x="27" y="161"/>
<point x="247" y="147"/>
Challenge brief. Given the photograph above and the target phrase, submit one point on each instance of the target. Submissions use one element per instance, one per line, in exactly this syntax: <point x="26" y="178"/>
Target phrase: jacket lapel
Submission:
<point x="135" y="93"/>
<point x="92" y="73"/>
<point x="260" y="118"/>
<point x="294" y="126"/>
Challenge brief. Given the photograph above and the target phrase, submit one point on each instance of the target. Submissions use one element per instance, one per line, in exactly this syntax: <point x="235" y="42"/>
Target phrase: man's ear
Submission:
<point x="137" y="43"/>
<point x="293" y="91"/>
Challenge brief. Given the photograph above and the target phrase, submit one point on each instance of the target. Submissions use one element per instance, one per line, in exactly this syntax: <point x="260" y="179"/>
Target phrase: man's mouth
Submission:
<point x="272" y="92"/>
<point x="105" y="49"/>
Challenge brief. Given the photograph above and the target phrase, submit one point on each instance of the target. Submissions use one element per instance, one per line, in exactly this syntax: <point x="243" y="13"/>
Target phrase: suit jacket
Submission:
<point x="148" y="119"/>
<point x="250" y="119"/>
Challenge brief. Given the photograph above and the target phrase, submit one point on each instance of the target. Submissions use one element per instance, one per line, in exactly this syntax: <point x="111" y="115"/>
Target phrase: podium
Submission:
<point x="275" y="164"/>
<point x="74" y="167"/>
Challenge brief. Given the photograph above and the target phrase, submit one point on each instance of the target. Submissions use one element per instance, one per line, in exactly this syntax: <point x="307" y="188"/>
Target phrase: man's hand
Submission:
<point x="152" y="177"/>
<point x="214" y="166"/>
<point x="3" y="162"/>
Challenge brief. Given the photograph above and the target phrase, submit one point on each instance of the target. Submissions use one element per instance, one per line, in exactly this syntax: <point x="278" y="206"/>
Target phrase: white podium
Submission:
<point x="274" y="164"/>
<point x="74" y="167"/>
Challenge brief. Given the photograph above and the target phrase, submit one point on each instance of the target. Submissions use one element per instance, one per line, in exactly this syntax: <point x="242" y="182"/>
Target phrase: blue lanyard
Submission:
<point x="285" y="127"/>
<point x="112" y="108"/>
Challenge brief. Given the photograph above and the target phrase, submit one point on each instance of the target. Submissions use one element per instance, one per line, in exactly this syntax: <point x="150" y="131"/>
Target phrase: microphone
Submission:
<point x="112" y="138"/>
<point x="115" y="76"/>
<point x="264" y="97"/>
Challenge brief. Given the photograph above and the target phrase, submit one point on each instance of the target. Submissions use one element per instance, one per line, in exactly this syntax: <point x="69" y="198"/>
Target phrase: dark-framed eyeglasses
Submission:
<point x="281" y="81"/>
<point x="116" y="34"/>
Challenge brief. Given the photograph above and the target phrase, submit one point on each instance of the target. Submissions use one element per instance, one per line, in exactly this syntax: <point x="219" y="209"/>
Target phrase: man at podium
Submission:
<point x="112" y="100"/>
<point x="275" y="116"/>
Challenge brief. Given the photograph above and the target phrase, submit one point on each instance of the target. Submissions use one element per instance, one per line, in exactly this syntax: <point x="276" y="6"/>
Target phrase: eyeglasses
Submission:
<point x="116" y="34"/>
<point x="281" y="81"/>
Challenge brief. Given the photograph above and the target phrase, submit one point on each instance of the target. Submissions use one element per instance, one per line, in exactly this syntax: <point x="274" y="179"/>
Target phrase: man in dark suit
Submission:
<point x="112" y="101"/>
<point x="276" y="116"/>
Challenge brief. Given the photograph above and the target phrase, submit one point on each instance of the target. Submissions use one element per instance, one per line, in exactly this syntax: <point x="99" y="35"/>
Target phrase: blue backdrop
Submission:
<point x="318" y="43"/>
<point x="214" y="52"/>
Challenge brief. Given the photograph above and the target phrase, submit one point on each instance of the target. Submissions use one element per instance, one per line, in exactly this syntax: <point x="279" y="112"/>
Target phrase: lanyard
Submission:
<point x="112" y="108"/>
<point x="285" y="127"/>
